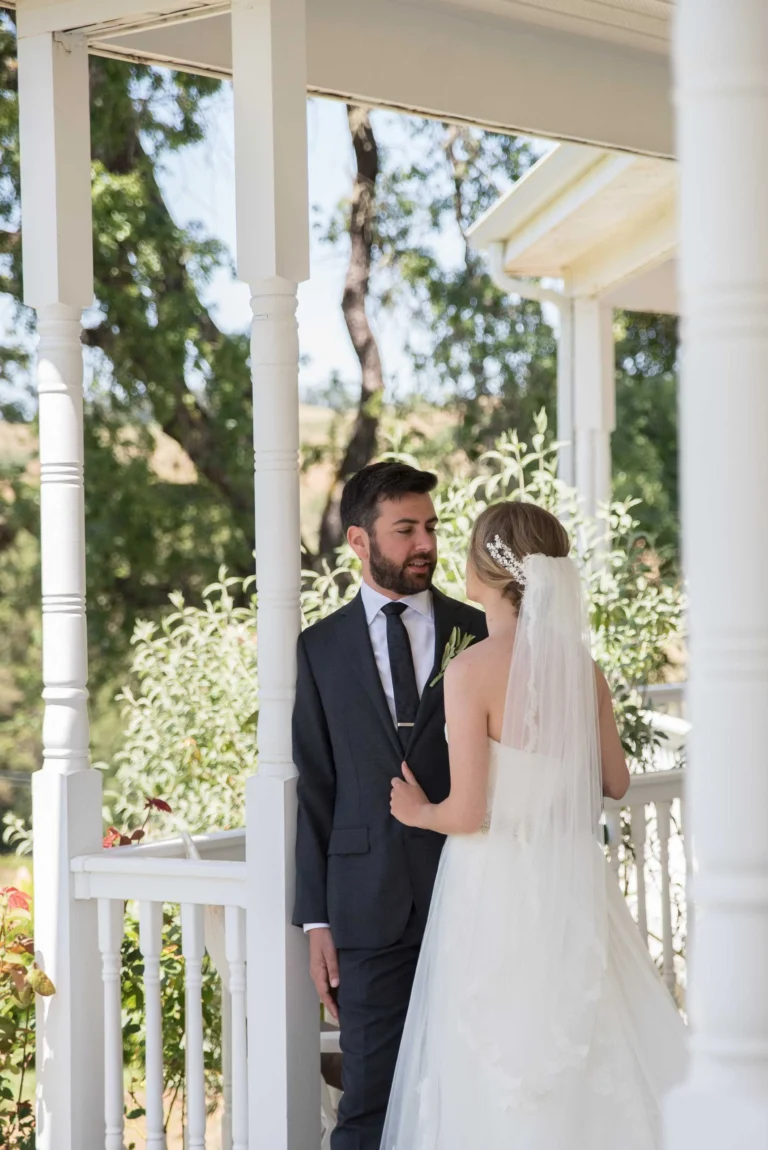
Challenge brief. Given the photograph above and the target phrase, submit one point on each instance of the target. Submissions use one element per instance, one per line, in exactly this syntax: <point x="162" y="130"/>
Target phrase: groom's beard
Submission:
<point x="402" y="579"/>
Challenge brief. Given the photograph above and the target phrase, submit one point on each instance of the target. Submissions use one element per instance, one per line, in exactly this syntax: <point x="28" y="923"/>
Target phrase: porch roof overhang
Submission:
<point x="601" y="221"/>
<point x="504" y="64"/>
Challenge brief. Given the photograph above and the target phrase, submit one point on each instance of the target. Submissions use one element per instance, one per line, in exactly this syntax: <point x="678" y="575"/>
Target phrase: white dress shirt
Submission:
<point x="419" y="620"/>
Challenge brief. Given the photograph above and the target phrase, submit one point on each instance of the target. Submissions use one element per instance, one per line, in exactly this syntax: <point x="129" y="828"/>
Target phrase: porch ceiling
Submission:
<point x="602" y="221"/>
<point x="587" y="70"/>
<point x="642" y="24"/>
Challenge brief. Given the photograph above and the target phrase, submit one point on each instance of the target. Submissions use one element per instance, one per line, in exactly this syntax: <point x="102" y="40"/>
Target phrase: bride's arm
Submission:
<point x="464" y="811"/>
<point x="614" y="764"/>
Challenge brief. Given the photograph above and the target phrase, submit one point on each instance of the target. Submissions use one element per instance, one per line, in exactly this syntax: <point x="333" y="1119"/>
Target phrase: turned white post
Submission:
<point x="721" y="73"/>
<point x="151" y="945"/>
<point x="638" y="832"/>
<point x="58" y="282"/>
<point x="269" y="80"/>
<point x="234" y="925"/>
<point x="226" y="1065"/>
<point x="613" y="824"/>
<point x="594" y="403"/>
<point x="664" y="827"/>
<point x="111" y="931"/>
<point x="193" y="949"/>
<point x="566" y="457"/>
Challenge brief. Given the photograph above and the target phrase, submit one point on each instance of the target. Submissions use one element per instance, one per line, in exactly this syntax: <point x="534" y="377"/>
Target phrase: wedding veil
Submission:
<point x="539" y="923"/>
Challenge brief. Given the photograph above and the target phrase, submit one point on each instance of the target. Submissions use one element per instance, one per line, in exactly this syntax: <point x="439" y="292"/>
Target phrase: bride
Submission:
<point x="537" y="1020"/>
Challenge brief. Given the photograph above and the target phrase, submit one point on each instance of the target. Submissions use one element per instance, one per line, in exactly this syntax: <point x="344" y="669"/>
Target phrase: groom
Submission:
<point x="365" y="703"/>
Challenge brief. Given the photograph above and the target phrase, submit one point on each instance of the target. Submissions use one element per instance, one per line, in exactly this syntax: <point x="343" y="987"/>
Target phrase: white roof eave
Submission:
<point x="594" y="218"/>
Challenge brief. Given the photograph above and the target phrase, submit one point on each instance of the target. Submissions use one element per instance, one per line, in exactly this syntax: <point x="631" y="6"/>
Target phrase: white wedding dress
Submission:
<point x="537" y="1020"/>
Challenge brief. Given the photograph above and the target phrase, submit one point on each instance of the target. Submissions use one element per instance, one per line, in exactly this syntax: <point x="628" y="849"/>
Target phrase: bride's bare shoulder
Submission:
<point x="480" y="661"/>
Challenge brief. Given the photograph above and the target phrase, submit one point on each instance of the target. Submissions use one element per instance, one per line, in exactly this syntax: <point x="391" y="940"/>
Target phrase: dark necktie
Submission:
<point x="403" y="674"/>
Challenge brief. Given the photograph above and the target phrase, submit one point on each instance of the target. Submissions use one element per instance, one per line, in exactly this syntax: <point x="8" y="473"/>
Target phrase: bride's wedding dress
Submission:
<point x="538" y="1020"/>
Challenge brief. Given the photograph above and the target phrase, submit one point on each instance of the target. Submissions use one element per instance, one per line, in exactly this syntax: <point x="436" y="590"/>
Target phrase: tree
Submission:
<point x="493" y="358"/>
<point x="360" y="225"/>
<point x="645" y="442"/>
<point x="163" y="375"/>
<point x="162" y="369"/>
<point x="473" y="349"/>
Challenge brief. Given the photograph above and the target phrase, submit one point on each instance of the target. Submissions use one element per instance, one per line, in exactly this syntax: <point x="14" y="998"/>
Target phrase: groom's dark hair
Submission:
<point x="389" y="480"/>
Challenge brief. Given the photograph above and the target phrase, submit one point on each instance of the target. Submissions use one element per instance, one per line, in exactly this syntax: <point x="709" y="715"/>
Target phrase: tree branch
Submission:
<point x="362" y="442"/>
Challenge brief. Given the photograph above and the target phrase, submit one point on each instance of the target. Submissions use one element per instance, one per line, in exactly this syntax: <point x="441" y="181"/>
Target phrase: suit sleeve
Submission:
<point x="316" y="792"/>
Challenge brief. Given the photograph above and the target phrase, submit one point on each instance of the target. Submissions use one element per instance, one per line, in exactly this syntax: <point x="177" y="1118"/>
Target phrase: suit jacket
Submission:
<point x="357" y="868"/>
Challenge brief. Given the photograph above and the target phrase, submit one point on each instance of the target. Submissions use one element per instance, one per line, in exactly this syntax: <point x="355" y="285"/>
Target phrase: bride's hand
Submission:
<point x="407" y="802"/>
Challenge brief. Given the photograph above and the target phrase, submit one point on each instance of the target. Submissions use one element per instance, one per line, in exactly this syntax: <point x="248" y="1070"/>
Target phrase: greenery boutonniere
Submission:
<point x="458" y="642"/>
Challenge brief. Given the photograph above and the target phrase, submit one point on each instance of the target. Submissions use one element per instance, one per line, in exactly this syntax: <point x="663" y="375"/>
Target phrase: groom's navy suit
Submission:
<point x="357" y="868"/>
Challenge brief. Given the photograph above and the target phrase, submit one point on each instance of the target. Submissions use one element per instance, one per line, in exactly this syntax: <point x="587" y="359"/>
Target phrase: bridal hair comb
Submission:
<point x="505" y="557"/>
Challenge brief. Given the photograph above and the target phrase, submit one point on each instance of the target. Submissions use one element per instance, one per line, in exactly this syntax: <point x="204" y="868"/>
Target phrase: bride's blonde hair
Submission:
<point x="525" y="529"/>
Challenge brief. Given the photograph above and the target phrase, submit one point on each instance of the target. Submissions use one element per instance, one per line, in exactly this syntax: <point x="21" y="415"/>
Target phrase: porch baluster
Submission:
<point x="226" y="1068"/>
<point x="150" y="942"/>
<point x="193" y="949"/>
<point x="664" y="826"/>
<point x="111" y="930"/>
<point x="637" y="838"/>
<point x="234" y="920"/>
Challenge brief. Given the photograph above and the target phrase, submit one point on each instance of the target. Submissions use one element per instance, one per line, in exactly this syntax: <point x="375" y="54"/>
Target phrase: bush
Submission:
<point x="20" y="981"/>
<point x="191" y="718"/>
<point x="191" y="715"/>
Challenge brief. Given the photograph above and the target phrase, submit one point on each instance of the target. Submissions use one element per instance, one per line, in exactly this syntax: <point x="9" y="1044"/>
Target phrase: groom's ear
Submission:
<point x="357" y="538"/>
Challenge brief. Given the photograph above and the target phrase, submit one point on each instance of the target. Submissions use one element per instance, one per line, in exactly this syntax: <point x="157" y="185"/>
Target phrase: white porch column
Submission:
<point x="58" y="283"/>
<point x="566" y="459"/>
<point x="721" y="62"/>
<point x="269" y="73"/>
<point x="594" y="402"/>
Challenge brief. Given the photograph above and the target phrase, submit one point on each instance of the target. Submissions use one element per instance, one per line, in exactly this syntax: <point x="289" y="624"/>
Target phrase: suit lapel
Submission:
<point x="368" y="672"/>
<point x="432" y="697"/>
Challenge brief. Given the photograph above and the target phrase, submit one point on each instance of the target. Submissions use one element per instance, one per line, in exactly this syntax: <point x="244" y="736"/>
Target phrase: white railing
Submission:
<point x="647" y="845"/>
<point x="211" y="894"/>
<point x="206" y="878"/>
<point x="668" y="698"/>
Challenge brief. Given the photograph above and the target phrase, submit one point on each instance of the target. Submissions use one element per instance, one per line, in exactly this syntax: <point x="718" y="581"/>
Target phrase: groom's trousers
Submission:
<point x="374" y="990"/>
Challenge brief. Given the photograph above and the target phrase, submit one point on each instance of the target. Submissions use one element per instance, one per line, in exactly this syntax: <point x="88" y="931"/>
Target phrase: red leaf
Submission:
<point x="137" y="835"/>
<point x="124" y="841"/>
<point x="17" y="900"/>
<point x="111" y="838"/>
<point x="158" y="805"/>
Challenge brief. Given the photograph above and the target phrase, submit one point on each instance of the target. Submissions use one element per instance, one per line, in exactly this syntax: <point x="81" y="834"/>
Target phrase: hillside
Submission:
<point x="319" y="427"/>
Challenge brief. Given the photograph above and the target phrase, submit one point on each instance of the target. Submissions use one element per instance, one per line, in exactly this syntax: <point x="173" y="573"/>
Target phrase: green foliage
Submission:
<point x="21" y="704"/>
<point x="20" y="980"/>
<point x="492" y="357"/>
<point x="636" y="605"/>
<point x="190" y="718"/>
<point x="192" y="713"/>
<point x="472" y="348"/>
<point x="162" y="371"/>
<point x="645" y="442"/>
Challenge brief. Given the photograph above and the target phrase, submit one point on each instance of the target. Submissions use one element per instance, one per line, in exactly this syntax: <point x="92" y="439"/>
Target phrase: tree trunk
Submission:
<point x="362" y="443"/>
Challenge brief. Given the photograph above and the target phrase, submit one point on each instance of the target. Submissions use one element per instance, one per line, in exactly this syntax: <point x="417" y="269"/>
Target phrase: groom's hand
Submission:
<point x="324" y="968"/>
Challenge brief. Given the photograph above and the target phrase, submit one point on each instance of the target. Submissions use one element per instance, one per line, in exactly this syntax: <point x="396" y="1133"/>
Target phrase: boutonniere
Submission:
<point x="458" y="642"/>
